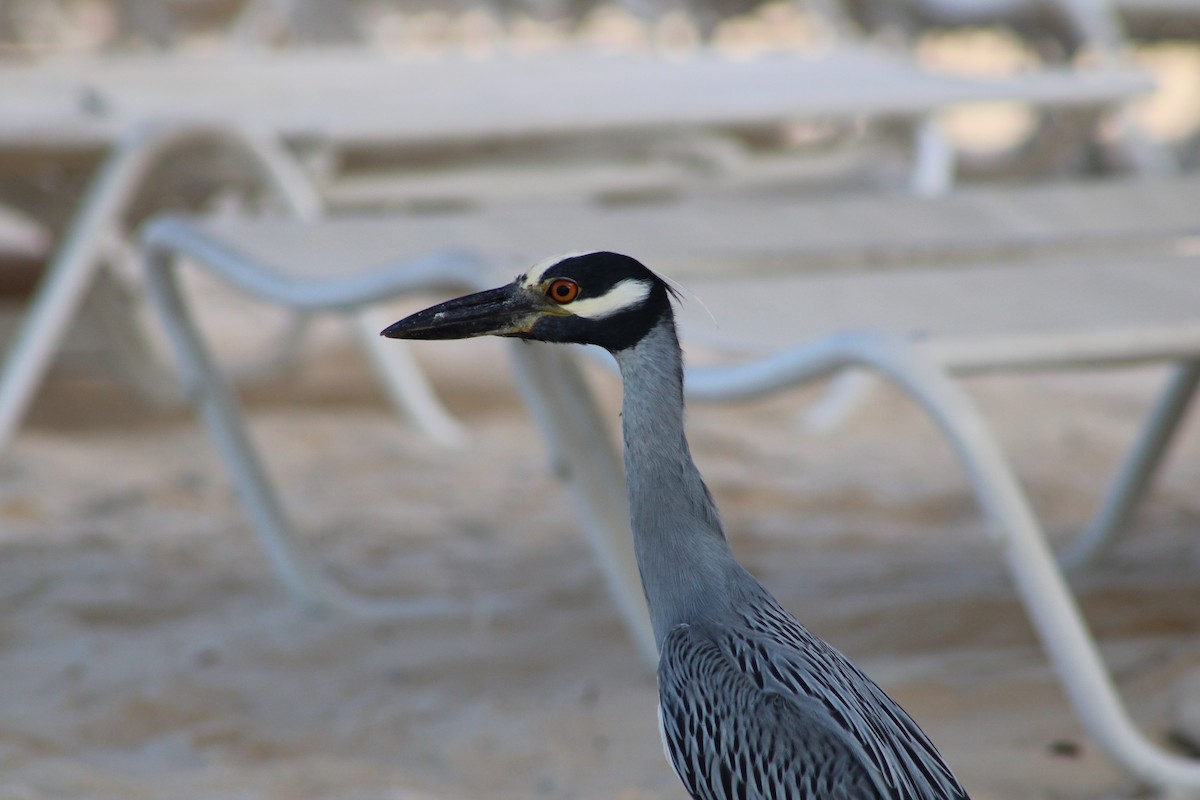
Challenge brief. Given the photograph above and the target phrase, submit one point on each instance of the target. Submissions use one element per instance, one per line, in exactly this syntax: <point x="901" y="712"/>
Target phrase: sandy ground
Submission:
<point x="146" y="651"/>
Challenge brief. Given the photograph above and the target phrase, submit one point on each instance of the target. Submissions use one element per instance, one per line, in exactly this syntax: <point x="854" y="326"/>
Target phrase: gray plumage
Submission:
<point x="752" y="705"/>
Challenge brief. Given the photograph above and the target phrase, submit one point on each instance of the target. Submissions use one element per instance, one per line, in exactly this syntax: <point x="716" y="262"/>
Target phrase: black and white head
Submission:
<point x="599" y="298"/>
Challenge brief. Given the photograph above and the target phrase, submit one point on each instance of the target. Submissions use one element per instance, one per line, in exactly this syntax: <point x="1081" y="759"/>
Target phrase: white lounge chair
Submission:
<point x="1110" y="290"/>
<point x="1071" y="25"/>
<point x="256" y="103"/>
<point x="1098" y="23"/>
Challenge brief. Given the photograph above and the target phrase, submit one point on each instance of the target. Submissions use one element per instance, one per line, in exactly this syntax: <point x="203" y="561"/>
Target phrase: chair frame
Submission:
<point x="580" y="442"/>
<point x="561" y="404"/>
<point x="1013" y="526"/>
<point x="79" y="269"/>
<point x="207" y="387"/>
<point x="43" y="110"/>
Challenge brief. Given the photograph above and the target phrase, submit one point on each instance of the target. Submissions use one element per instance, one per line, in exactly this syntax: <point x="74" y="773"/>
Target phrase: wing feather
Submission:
<point x="781" y="655"/>
<point x="728" y="738"/>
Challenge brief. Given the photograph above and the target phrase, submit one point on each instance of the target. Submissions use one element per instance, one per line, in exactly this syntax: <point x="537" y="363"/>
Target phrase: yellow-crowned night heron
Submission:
<point x="752" y="705"/>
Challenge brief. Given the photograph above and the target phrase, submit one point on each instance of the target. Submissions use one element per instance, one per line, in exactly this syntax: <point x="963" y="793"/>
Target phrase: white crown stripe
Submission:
<point x="625" y="295"/>
<point x="538" y="271"/>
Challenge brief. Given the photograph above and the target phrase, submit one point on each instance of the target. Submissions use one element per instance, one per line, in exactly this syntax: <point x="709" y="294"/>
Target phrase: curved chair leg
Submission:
<point x="406" y="385"/>
<point x="206" y="386"/>
<point x="933" y="160"/>
<point x="846" y="394"/>
<point x="1137" y="470"/>
<point x="565" y="411"/>
<point x="1013" y="527"/>
<point x="1043" y="589"/>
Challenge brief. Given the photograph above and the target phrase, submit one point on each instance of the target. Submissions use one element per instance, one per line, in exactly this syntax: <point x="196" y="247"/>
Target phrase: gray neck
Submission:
<point x="685" y="562"/>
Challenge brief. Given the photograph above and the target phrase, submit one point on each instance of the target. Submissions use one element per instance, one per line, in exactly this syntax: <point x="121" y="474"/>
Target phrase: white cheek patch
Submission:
<point x="627" y="294"/>
<point x="537" y="272"/>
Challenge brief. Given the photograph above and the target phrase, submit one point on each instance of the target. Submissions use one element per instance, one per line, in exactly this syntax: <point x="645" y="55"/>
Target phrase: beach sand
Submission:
<point x="147" y="652"/>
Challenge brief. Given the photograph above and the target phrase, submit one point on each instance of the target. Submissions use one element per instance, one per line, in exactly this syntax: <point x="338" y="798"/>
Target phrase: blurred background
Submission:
<point x="146" y="649"/>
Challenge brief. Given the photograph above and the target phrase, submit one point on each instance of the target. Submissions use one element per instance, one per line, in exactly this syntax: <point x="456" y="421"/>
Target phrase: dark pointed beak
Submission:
<point x="508" y="311"/>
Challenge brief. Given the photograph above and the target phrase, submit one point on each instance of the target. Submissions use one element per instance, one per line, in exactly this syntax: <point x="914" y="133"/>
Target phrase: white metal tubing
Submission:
<point x="69" y="275"/>
<point x="166" y="239"/>
<point x="449" y="271"/>
<point x="551" y="384"/>
<point x="846" y="394"/>
<point x="205" y="384"/>
<point x="217" y="406"/>
<point x="932" y="172"/>
<point x="565" y="411"/>
<point x="1137" y="470"/>
<point x="1013" y="526"/>
<point x="1098" y="24"/>
<point x="403" y="379"/>
<point x="406" y="386"/>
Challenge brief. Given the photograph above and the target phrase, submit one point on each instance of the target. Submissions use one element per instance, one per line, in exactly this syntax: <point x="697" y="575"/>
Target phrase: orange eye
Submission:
<point x="562" y="290"/>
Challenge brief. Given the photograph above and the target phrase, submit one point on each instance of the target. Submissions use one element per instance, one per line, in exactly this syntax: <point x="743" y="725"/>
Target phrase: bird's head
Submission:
<point x="599" y="298"/>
